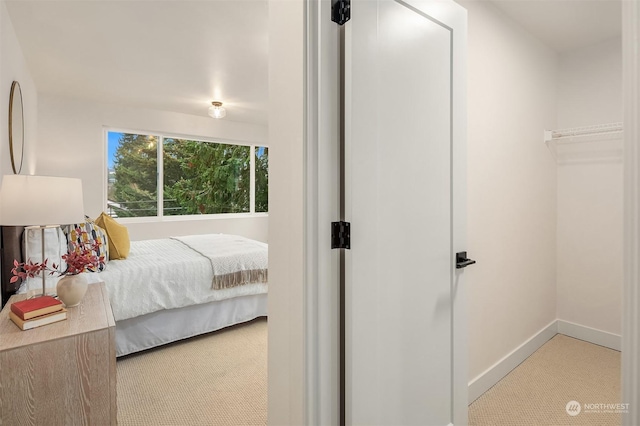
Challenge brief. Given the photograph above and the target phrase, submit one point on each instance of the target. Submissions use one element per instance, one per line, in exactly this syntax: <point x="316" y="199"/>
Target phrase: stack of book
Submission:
<point x="38" y="311"/>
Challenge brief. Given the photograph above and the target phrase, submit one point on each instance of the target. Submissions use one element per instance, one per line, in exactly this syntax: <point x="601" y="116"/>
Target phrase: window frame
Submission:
<point x="161" y="217"/>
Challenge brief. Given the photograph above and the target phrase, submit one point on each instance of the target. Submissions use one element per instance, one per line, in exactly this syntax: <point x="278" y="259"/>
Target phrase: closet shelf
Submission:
<point x="589" y="144"/>
<point x="569" y="134"/>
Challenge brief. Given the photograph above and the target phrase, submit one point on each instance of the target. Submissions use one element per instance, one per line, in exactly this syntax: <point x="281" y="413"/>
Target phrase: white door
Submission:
<point x="405" y="191"/>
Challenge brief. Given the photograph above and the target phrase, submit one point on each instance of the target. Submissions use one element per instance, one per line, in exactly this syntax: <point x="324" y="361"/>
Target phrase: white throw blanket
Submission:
<point x="234" y="260"/>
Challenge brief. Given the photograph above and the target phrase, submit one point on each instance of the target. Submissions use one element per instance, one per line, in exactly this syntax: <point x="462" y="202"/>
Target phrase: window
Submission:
<point x="262" y="178"/>
<point x="133" y="175"/>
<point x="196" y="177"/>
<point x="205" y="178"/>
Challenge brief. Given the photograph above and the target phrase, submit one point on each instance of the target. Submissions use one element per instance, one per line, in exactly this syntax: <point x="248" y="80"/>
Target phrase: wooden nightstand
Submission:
<point x="62" y="373"/>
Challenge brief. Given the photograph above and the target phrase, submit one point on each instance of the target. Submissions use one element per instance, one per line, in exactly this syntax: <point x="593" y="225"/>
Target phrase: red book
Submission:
<point x="31" y="308"/>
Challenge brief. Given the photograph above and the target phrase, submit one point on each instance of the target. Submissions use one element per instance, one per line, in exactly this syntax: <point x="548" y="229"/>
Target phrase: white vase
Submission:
<point x="71" y="289"/>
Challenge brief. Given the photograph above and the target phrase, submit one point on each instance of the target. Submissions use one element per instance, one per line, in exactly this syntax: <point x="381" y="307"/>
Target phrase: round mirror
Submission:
<point x="16" y="127"/>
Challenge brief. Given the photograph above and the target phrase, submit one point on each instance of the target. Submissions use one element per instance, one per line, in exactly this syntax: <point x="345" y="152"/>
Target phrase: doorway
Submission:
<point x="329" y="35"/>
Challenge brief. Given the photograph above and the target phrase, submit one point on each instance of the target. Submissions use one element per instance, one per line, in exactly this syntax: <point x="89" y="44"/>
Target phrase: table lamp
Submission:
<point x="40" y="202"/>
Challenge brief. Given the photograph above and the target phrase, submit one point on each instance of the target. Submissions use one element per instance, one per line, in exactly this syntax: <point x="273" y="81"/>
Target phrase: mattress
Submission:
<point x="163" y="274"/>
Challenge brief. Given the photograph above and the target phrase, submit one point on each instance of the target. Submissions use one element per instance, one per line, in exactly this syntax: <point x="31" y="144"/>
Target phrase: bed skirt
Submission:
<point x="158" y="328"/>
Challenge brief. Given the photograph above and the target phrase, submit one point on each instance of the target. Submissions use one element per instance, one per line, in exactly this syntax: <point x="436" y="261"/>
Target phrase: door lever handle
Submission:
<point x="462" y="261"/>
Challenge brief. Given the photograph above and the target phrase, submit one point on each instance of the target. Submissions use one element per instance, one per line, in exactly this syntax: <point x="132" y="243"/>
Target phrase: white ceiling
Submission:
<point x="166" y="55"/>
<point x="566" y="25"/>
<point x="180" y="55"/>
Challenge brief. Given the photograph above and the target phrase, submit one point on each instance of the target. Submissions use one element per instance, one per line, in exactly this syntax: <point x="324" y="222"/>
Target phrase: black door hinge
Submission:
<point x="340" y="235"/>
<point x="340" y="11"/>
<point x="462" y="261"/>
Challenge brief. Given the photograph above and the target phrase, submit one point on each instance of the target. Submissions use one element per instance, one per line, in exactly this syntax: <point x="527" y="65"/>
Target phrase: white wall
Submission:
<point x="590" y="192"/>
<point x="511" y="186"/>
<point x="590" y="85"/>
<point x="14" y="67"/>
<point x="72" y="144"/>
<point x="631" y="303"/>
<point x="286" y="213"/>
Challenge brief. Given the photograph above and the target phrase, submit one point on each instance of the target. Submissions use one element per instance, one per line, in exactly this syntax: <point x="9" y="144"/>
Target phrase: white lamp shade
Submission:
<point x="40" y="200"/>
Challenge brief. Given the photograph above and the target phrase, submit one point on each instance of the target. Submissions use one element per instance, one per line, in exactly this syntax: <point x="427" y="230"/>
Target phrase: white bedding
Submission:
<point x="163" y="274"/>
<point x="235" y="260"/>
<point x="148" y="331"/>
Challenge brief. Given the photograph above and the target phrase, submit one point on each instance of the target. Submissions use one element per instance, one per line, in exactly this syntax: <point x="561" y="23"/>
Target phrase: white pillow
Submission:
<point x="55" y="246"/>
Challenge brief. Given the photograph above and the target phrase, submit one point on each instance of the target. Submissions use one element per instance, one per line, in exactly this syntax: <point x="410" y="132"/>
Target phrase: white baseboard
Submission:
<point x="591" y="335"/>
<point x="495" y="373"/>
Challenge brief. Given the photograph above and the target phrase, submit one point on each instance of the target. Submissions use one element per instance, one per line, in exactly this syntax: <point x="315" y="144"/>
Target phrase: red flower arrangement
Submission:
<point x="82" y="259"/>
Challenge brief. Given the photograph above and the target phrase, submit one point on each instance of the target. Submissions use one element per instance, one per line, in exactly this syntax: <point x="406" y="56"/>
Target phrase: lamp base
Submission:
<point x="44" y="284"/>
<point x="34" y="288"/>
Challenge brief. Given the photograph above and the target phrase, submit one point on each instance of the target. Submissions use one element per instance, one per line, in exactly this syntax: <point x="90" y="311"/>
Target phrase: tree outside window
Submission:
<point x="198" y="177"/>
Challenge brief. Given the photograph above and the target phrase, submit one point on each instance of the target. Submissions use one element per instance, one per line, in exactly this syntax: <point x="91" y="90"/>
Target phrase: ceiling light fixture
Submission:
<point x="216" y="110"/>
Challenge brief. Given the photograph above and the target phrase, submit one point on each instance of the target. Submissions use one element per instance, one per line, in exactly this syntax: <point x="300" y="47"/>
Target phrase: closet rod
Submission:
<point x="600" y="129"/>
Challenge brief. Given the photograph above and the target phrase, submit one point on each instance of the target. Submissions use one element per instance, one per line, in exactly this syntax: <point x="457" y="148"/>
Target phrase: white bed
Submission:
<point x="163" y="291"/>
<point x="166" y="326"/>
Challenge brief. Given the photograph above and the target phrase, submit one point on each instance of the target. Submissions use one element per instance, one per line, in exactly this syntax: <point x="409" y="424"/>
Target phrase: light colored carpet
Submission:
<point x="216" y="379"/>
<point x="538" y="390"/>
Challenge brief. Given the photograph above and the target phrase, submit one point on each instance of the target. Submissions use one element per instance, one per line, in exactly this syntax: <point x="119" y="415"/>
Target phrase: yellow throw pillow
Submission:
<point x="118" y="236"/>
